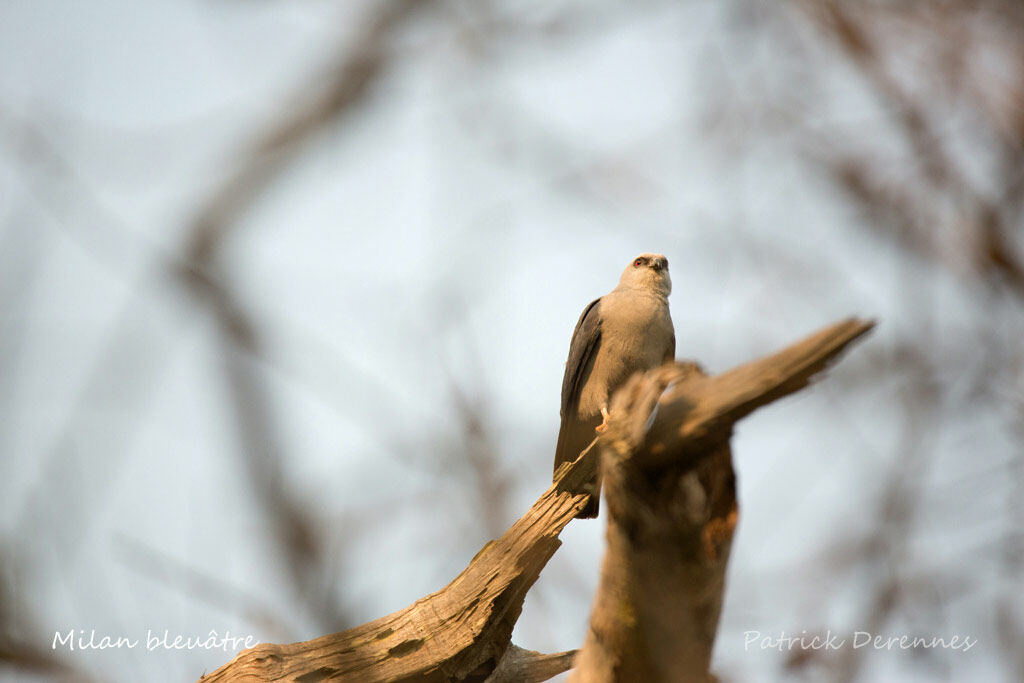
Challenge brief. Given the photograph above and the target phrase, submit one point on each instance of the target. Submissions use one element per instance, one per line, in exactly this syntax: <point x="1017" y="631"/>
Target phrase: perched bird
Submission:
<point x="625" y="331"/>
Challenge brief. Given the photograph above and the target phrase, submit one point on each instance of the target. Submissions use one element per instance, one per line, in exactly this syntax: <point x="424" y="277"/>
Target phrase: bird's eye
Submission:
<point x="639" y="262"/>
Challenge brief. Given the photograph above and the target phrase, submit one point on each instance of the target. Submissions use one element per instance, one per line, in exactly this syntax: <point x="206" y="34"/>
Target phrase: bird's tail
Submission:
<point x="571" y="443"/>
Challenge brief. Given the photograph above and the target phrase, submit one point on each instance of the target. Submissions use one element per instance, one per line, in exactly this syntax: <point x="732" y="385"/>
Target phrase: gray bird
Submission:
<point x="625" y="331"/>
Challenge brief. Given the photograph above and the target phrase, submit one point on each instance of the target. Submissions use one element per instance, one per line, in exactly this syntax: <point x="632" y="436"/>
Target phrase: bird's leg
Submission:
<point x="604" y="423"/>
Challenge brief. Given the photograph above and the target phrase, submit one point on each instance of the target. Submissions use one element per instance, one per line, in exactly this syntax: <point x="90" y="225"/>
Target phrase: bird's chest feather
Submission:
<point x="635" y="335"/>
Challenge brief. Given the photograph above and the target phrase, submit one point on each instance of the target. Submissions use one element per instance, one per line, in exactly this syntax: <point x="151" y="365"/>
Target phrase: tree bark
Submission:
<point x="672" y="512"/>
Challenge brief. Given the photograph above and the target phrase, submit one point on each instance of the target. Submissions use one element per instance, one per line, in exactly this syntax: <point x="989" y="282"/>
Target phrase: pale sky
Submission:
<point x="449" y="231"/>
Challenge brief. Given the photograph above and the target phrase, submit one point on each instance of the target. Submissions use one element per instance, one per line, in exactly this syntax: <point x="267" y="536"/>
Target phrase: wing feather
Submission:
<point x="575" y="433"/>
<point x="586" y="339"/>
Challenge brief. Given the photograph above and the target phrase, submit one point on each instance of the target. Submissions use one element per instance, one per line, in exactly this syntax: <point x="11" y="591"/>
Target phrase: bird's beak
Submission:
<point x="659" y="264"/>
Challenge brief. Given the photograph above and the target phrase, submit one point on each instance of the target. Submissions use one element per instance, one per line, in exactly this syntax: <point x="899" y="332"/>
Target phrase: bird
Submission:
<point x="623" y="332"/>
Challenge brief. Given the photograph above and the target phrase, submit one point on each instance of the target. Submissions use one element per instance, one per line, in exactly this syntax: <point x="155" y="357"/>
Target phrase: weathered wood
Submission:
<point x="456" y="634"/>
<point x="670" y="429"/>
<point x="671" y="495"/>
<point x="526" y="666"/>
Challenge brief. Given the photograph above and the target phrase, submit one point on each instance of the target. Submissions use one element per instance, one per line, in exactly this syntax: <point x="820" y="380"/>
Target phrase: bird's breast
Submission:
<point x="636" y="333"/>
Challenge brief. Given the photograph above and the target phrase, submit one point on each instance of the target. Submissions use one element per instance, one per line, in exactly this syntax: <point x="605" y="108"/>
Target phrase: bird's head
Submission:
<point x="648" y="271"/>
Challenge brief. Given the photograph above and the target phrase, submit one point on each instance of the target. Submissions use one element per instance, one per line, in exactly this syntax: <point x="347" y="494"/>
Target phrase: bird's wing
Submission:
<point x="574" y="434"/>
<point x="586" y="339"/>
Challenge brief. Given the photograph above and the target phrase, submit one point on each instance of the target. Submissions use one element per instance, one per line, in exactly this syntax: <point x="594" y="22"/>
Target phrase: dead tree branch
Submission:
<point x="672" y="511"/>
<point x="672" y="507"/>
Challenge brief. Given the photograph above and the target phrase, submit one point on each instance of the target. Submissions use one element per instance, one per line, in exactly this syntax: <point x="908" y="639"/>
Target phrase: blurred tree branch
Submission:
<point x="350" y="79"/>
<point x="988" y="222"/>
<point x="348" y="82"/>
<point x="936" y="169"/>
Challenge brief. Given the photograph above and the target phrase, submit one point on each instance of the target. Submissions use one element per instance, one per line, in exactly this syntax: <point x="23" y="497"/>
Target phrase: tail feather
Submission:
<point x="574" y="436"/>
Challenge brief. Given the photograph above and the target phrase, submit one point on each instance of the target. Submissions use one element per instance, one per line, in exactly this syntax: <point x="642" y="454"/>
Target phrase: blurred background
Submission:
<point x="286" y="289"/>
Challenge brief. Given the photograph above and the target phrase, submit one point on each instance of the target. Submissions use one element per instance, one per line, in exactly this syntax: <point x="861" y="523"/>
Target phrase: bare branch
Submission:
<point x="672" y="509"/>
<point x="526" y="666"/>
